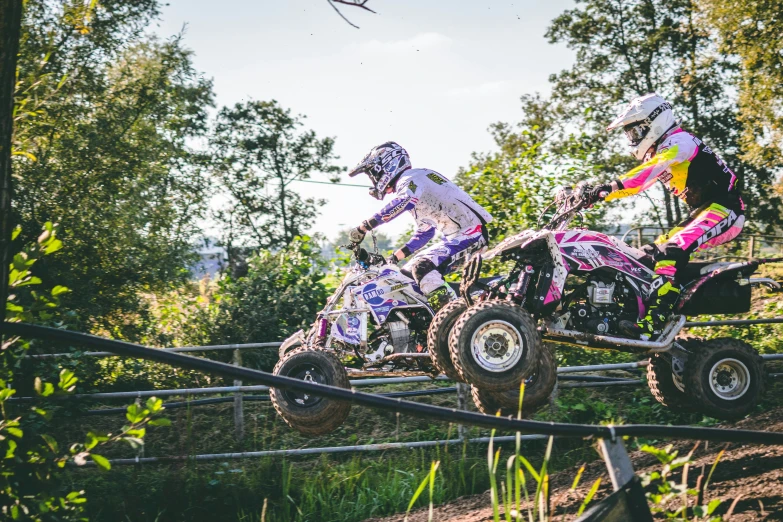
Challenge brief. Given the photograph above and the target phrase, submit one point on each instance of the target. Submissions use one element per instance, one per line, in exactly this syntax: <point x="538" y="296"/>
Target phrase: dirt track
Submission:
<point x="754" y="474"/>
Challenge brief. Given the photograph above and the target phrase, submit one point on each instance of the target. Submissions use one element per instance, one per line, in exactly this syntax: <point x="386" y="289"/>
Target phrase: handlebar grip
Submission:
<point x="362" y="255"/>
<point x="603" y="194"/>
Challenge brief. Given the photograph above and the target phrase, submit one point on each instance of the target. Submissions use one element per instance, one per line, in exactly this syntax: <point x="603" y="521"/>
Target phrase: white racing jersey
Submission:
<point x="436" y="204"/>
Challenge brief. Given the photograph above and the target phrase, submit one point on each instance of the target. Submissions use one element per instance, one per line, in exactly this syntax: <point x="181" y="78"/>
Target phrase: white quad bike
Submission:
<point x="378" y="323"/>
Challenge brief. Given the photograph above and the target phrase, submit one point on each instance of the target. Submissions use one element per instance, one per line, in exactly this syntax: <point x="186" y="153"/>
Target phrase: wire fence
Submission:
<point x="566" y="380"/>
<point x="395" y="405"/>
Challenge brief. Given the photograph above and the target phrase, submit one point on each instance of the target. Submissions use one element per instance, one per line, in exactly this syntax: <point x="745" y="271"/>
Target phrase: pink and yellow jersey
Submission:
<point x="687" y="167"/>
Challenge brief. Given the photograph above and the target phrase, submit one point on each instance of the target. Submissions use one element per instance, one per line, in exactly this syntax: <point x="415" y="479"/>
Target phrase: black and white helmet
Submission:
<point x="645" y="120"/>
<point x="383" y="164"/>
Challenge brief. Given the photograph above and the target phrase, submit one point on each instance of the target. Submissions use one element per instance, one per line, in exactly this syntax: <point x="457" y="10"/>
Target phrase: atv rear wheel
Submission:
<point x="494" y="345"/>
<point x="724" y="377"/>
<point x="665" y="379"/>
<point x="438" y="338"/>
<point x="538" y="389"/>
<point x="306" y="413"/>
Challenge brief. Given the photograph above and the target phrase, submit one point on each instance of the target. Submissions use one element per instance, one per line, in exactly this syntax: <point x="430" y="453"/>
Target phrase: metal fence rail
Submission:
<point x="317" y="451"/>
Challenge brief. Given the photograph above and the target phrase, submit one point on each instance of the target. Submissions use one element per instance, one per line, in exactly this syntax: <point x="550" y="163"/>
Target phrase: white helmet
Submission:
<point x="645" y="120"/>
<point x="383" y="164"/>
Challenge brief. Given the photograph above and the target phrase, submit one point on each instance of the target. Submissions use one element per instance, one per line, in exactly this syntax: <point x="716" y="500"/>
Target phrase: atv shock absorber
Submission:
<point x="320" y="337"/>
<point x="517" y="292"/>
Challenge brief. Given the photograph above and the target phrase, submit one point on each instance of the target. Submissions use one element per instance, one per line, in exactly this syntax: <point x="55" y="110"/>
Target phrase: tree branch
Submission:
<point x="353" y="3"/>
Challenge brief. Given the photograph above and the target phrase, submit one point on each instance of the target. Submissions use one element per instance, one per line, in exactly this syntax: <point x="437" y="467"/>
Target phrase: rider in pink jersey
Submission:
<point x="691" y="171"/>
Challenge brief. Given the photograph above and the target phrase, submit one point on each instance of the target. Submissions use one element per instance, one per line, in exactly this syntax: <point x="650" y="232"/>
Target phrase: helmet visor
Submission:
<point x="636" y="132"/>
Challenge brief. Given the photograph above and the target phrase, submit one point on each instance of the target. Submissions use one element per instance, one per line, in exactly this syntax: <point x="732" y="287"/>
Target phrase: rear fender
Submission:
<point x="715" y="272"/>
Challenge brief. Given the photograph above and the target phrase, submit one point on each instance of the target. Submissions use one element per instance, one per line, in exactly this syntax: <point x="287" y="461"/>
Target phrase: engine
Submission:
<point x="597" y="306"/>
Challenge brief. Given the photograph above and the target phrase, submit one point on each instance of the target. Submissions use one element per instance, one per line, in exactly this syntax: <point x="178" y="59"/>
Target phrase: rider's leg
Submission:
<point x="428" y="266"/>
<point x="711" y="226"/>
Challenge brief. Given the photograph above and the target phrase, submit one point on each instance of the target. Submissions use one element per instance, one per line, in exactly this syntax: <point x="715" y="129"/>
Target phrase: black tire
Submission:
<point x="438" y="338"/>
<point x="724" y="377"/>
<point x="511" y="337"/>
<point x="308" y="414"/>
<point x="538" y="389"/>
<point x="663" y="383"/>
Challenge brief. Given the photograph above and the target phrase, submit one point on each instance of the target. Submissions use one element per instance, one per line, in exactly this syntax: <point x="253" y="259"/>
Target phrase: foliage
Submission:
<point x="31" y="485"/>
<point x="627" y="48"/>
<point x="280" y="294"/>
<point x="258" y="150"/>
<point x="752" y="31"/>
<point x="517" y="183"/>
<point x="665" y="491"/>
<point x="104" y="115"/>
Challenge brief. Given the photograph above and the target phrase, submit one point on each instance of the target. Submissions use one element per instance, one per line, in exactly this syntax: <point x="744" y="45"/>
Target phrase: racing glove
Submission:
<point x="596" y="194"/>
<point x="356" y="235"/>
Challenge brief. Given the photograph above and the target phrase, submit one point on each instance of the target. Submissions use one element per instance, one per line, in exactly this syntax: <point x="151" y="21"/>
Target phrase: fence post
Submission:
<point x="751" y="246"/>
<point x="239" y="418"/>
<point x="462" y="390"/>
<point x="639" y="238"/>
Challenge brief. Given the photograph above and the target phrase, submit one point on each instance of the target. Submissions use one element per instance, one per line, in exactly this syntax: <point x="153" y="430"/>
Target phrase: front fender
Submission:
<point x="294" y="341"/>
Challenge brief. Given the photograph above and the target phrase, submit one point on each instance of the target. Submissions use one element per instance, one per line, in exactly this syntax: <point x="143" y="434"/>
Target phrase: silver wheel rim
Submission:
<point x="678" y="367"/>
<point x="497" y="346"/>
<point x="729" y="379"/>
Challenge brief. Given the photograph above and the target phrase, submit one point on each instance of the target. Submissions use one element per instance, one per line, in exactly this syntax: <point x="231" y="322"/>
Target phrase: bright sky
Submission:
<point x="431" y="75"/>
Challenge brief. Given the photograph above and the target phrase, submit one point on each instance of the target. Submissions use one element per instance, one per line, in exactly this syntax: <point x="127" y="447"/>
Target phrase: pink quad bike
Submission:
<point x="573" y="286"/>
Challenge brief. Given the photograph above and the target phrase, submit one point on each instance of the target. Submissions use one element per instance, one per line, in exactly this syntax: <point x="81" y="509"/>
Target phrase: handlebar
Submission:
<point x="569" y="202"/>
<point x="364" y="258"/>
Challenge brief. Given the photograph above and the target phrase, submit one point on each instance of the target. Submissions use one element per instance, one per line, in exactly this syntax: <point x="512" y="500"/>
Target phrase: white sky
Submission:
<point x="431" y="75"/>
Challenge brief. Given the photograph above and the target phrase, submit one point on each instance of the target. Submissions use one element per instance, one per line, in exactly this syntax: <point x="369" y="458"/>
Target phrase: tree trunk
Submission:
<point x="10" y="22"/>
<point x="667" y="201"/>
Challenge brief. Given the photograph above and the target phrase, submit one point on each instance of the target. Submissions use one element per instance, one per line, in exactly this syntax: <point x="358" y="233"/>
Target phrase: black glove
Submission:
<point x="392" y="260"/>
<point x="356" y="235"/>
<point x="596" y="194"/>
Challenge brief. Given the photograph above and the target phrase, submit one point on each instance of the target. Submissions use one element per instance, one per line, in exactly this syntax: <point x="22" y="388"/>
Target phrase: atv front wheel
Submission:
<point x="306" y="413"/>
<point x="724" y="377"/>
<point x="665" y="379"/>
<point x="538" y="389"/>
<point x="494" y="345"/>
<point x="438" y="338"/>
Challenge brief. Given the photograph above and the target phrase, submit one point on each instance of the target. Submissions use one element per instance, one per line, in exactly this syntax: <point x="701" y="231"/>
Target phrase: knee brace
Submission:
<point x="426" y="275"/>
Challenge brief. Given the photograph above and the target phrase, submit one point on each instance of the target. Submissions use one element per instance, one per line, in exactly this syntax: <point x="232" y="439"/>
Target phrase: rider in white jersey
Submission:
<point x="436" y="204"/>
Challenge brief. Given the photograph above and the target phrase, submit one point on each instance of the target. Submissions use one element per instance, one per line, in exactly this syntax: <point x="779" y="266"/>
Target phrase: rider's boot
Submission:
<point x="663" y="296"/>
<point x="441" y="296"/>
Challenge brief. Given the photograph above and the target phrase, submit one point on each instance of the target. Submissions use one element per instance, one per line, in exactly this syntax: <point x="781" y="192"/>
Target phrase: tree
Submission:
<point x="626" y="48"/>
<point x="753" y="32"/>
<point x="10" y="21"/>
<point x="281" y="293"/>
<point x="258" y="151"/>
<point x="105" y="115"/>
<point x="517" y="184"/>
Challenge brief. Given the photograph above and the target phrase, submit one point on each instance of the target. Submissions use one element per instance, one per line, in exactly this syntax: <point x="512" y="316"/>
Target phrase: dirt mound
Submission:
<point x="753" y="474"/>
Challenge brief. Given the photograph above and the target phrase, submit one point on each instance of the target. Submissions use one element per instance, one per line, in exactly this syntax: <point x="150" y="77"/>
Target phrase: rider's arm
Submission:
<point x="645" y="175"/>
<point x="405" y="199"/>
<point x="421" y="237"/>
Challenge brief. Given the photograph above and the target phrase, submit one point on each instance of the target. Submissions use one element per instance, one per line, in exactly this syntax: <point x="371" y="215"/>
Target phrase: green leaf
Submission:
<point x="67" y="380"/>
<point x="163" y="421"/>
<point x="50" y="442"/>
<point x="59" y="289"/>
<point x="101" y="461"/>
<point x="419" y="491"/>
<point x="154" y="404"/>
<point x="16" y="432"/>
<point x="17" y="230"/>
<point x="9" y="453"/>
<point x="589" y="496"/>
<point x="713" y="505"/>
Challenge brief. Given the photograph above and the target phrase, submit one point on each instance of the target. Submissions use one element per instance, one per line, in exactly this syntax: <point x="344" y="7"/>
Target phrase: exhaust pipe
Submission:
<point x="587" y="340"/>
